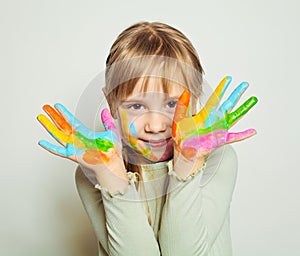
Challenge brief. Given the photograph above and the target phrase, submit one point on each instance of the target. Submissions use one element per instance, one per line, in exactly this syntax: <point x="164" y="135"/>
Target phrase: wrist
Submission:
<point x="113" y="175"/>
<point x="185" y="167"/>
<point x="112" y="182"/>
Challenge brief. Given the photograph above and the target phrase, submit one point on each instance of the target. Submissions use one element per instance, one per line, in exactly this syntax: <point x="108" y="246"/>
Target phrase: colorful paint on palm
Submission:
<point x="76" y="138"/>
<point x="208" y="129"/>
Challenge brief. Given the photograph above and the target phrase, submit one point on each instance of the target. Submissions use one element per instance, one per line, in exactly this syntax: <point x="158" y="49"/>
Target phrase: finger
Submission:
<point x="233" y="98"/>
<point x="238" y="136"/>
<point x="70" y="150"/>
<point x="227" y="105"/>
<point x="57" y="134"/>
<point x="84" y="135"/>
<point x="58" y="119"/>
<point x="212" y="118"/>
<point x="107" y="120"/>
<point x="74" y="122"/>
<point x="181" y="110"/>
<point x="213" y="100"/>
<point x="109" y="126"/>
<point x="241" y="111"/>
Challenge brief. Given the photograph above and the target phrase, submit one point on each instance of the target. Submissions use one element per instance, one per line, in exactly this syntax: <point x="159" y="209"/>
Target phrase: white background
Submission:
<point x="51" y="50"/>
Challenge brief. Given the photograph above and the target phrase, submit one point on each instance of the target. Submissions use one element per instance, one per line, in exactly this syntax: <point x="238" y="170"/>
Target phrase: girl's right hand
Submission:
<point x="100" y="152"/>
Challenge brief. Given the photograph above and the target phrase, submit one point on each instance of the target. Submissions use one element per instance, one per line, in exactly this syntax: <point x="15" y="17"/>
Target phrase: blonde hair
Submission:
<point x="138" y="52"/>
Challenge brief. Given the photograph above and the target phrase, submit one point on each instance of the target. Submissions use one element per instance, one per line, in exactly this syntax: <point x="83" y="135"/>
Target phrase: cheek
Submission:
<point x="169" y="119"/>
<point x="136" y="125"/>
<point x="128" y="125"/>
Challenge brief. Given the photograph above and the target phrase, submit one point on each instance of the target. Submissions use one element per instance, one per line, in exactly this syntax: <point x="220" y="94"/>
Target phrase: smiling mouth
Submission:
<point x="157" y="143"/>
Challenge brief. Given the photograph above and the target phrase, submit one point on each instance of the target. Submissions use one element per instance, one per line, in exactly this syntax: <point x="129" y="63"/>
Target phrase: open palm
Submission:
<point x="208" y="129"/>
<point x="78" y="143"/>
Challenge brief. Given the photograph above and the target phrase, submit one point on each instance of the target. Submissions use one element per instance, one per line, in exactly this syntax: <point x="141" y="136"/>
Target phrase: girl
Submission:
<point x="159" y="179"/>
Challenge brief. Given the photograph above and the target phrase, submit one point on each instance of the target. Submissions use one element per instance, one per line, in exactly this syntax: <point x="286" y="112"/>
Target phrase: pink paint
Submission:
<point x="215" y="139"/>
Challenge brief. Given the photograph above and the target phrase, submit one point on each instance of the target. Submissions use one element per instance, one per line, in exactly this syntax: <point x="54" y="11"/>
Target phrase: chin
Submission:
<point x="161" y="153"/>
<point x="165" y="153"/>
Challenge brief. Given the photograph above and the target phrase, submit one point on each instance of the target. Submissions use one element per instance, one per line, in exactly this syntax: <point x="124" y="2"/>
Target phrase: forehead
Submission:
<point x="156" y="85"/>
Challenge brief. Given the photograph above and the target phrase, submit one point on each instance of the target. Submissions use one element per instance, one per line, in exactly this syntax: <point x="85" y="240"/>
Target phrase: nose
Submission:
<point x="156" y="123"/>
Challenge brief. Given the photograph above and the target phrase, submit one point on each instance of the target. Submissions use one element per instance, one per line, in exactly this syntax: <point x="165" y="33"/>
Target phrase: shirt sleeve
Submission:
<point x="196" y="209"/>
<point x="119" y="220"/>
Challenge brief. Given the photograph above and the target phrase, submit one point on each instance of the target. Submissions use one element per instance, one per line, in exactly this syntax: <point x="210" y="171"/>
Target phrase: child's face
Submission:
<point x="148" y="116"/>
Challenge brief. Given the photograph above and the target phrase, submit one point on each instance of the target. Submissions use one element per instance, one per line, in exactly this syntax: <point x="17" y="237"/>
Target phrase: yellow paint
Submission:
<point x="211" y="103"/>
<point x="54" y="130"/>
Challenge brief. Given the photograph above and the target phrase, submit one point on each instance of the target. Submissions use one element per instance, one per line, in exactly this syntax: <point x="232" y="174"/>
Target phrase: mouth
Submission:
<point x="157" y="143"/>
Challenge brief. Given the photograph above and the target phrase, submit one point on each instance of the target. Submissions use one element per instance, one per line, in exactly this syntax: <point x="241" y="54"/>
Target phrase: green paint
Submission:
<point x="242" y="110"/>
<point x="95" y="144"/>
<point x="226" y="122"/>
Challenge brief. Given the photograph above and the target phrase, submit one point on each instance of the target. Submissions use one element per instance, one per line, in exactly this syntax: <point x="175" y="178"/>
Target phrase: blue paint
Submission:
<point x="148" y="145"/>
<point x="108" y="135"/>
<point x="234" y="97"/>
<point x="228" y="81"/>
<point x="83" y="130"/>
<point x="75" y="123"/>
<point x="133" y="130"/>
<point x="227" y="105"/>
<point x="213" y="116"/>
<point x="69" y="150"/>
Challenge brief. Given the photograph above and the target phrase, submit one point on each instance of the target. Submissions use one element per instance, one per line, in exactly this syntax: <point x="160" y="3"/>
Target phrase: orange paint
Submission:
<point x="181" y="109"/>
<point x="95" y="157"/>
<point x="57" y="118"/>
<point x="189" y="152"/>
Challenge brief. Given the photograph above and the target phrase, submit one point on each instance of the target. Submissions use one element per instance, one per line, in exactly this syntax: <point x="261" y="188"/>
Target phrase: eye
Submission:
<point x="136" y="106"/>
<point x="172" y="104"/>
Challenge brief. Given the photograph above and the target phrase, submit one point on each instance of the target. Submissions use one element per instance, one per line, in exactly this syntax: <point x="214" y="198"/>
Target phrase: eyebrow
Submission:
<point x="141" y="99"/>
<point x="143" y="95"/>
<point x="132" y="101"/>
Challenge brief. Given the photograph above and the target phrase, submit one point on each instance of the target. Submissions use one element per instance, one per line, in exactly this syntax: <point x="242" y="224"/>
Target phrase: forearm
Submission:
<point x="183" y="228"/>
<point x="197" y="207"/>
<point x="129" y="232"/>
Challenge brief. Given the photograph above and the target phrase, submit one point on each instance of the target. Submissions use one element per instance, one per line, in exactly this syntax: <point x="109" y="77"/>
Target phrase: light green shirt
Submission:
<point x="179" y="218"/>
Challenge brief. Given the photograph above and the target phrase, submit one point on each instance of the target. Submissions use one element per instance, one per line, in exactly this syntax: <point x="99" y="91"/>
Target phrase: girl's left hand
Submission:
<point x="196" y="136"/>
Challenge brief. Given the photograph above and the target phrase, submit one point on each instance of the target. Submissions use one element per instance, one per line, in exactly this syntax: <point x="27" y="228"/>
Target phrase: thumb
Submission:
<point x="181" y="109"/>
<point x="107" y="121"/>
